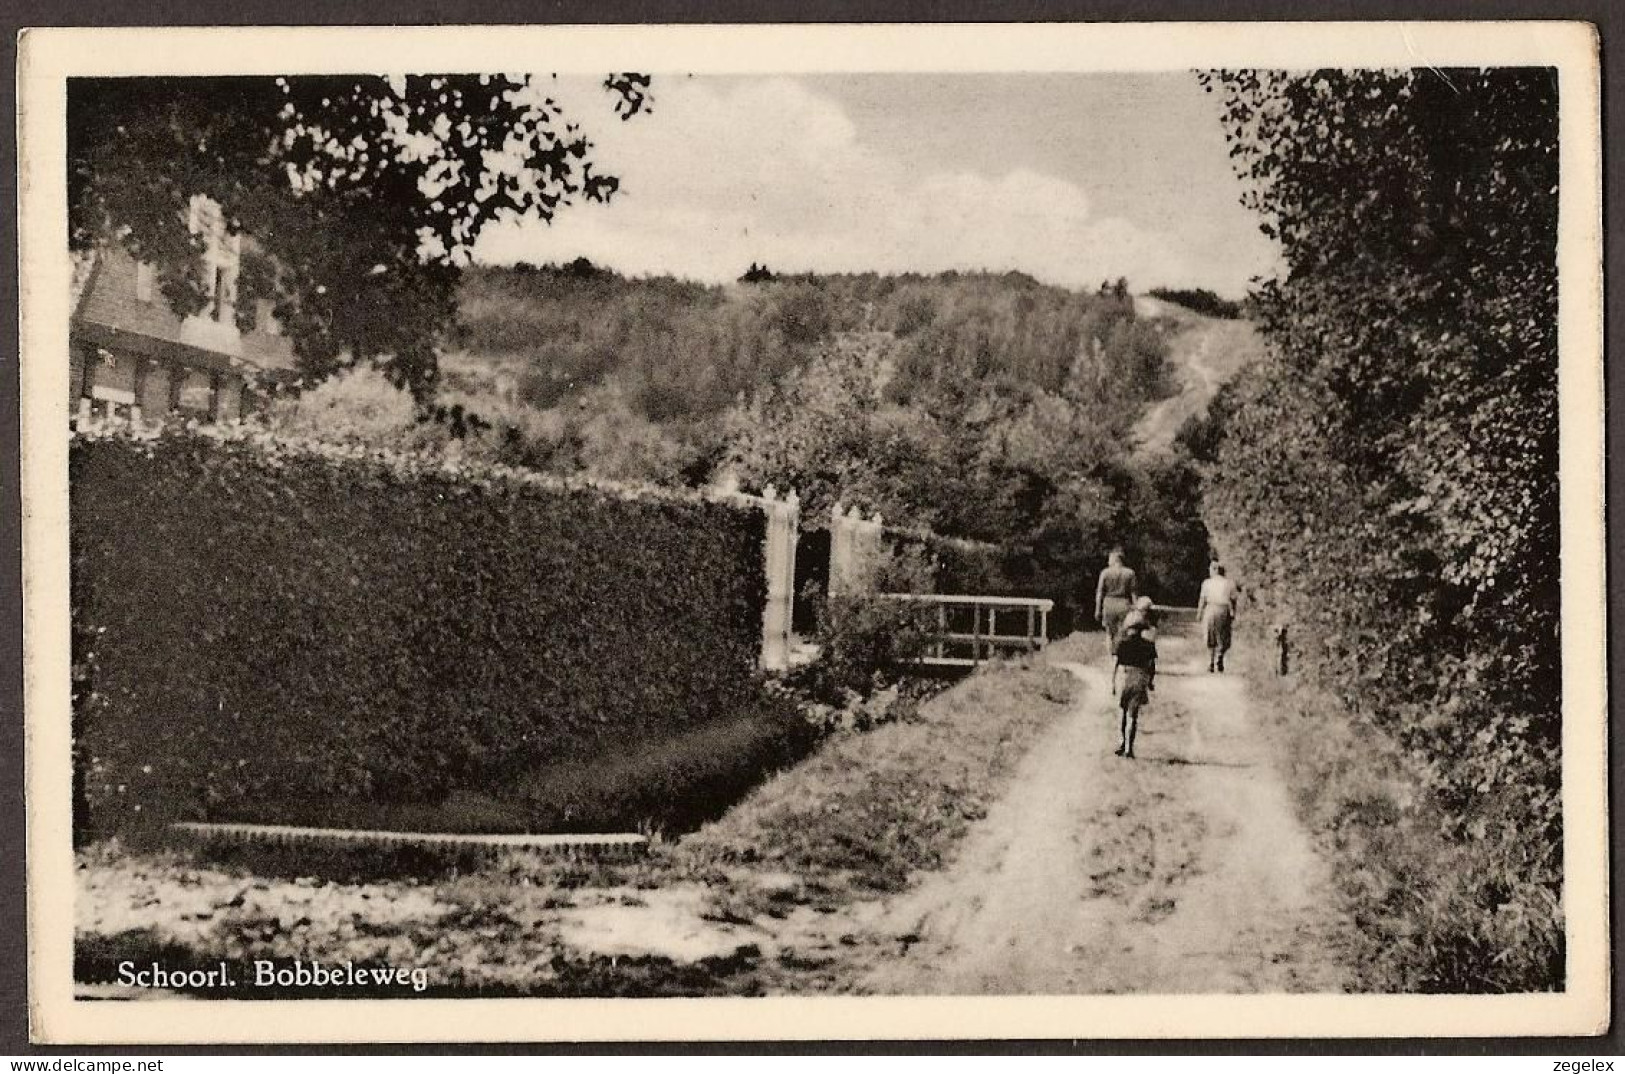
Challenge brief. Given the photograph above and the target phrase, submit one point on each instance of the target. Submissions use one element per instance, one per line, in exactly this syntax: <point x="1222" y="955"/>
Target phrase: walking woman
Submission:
<point x="1216" y="608"/>
<point x="1114" y="595"/>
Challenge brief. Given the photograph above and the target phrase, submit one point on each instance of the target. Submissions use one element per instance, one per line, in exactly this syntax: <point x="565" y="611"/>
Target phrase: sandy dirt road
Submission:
<point x="1182" y="870"/>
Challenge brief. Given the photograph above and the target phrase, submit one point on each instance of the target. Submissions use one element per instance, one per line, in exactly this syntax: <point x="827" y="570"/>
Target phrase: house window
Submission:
<point x="265" y="317"/>
<point x="196" y="394"/>
<point x="145" y="281"/>
<point x="107" y="401"/>
<point x="222" y="254"/>
<point x="103" y="409"/>
<point x="228" y="398"/>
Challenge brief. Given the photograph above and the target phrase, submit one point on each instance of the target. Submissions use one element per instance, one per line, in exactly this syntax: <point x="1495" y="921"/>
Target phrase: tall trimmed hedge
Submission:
<point x="1386" y="479"/>
<point x="265" y="627"/>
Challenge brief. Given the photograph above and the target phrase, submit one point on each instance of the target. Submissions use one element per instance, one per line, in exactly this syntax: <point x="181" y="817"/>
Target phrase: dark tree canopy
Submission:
<point x="1199" y="299"/>
<point x="361" y="195"/>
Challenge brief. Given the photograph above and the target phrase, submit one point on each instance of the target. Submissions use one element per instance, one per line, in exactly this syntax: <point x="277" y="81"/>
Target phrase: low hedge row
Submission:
<point x="262" y="625"/>
<point x="954" y="565"/>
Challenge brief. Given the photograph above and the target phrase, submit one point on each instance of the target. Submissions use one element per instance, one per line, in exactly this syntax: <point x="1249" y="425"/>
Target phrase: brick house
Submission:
<point x="131" y="356"/>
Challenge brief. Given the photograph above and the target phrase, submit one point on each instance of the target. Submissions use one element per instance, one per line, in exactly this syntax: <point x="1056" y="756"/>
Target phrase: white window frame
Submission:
<point x="146" y="278"/>
<point x="121" y="396"/>
<point x="222" y="258"/>
<point x="265" y="317"/>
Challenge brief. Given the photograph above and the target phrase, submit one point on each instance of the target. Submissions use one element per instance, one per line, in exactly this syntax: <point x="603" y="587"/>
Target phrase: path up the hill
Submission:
<point x="1204" y="353"/>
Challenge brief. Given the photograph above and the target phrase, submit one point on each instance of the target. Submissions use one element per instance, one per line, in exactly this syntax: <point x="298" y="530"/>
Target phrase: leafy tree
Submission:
<point x="362" y="194"/>
<point x="1388" y="479"/>
<point x="827" y="432"/>
<point x="993" y="459"/>
<point x="583" y="269"/>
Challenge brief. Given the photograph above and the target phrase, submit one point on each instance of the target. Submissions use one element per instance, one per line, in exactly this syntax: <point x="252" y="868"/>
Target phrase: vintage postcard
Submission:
<point x="855" y="532"/>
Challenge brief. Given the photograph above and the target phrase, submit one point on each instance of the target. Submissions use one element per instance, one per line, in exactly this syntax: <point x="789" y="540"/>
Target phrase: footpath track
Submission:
<point x="1181" y="871"/>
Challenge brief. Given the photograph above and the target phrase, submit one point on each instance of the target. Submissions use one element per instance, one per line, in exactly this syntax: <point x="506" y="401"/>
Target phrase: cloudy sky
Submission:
<point x="1072" y="178"/>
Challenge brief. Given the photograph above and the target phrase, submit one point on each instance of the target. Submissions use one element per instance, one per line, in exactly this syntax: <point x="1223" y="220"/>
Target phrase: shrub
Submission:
<point x="360" y="404"/>
<point x="868" y="641"/>
<point x="270" y="627"/>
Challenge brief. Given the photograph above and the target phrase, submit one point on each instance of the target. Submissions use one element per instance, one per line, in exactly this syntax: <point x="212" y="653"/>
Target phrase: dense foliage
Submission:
<point x="987" y="408"/>
<point x="362" y="194"/>
<point x="273" y="632"/>
<point x="977" y="406"/>
<point x="561" y="342"/>
<point x="1387" y="481"/>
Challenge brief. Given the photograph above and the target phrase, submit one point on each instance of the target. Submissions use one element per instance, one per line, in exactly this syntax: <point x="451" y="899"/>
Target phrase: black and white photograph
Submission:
<point x="1049" y="531"/>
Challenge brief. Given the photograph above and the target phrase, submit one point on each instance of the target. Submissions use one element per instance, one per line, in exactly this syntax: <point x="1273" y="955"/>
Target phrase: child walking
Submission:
<point x="1137" y="657"/>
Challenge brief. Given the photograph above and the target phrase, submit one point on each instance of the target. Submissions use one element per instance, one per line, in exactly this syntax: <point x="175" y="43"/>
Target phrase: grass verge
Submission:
<point x="1431" y="914"/>
<point x="868" y="811"/>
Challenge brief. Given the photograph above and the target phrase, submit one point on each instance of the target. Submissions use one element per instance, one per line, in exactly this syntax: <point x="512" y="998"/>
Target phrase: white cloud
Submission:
<point x="723" y="174"/>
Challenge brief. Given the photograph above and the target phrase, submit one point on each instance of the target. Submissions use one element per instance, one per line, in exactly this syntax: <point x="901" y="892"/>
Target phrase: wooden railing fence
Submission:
<point x="973" y="629"/>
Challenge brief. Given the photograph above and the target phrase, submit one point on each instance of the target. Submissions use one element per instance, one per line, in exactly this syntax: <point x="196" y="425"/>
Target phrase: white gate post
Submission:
<point x="874" y="548"/>
<point x="855" y="547"/>
<point x="840" y="551"/>
<point x="779" y="567"/>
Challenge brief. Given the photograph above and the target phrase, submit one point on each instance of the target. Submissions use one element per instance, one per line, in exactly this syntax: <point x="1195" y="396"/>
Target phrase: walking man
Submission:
<point x="1137" y="657"/>
<point x="1216" y="608"/>
<point x="1114" y="595"/>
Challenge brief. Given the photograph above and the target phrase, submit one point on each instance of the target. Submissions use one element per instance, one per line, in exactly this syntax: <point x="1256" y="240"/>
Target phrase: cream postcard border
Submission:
<point x="48" y="56"/>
